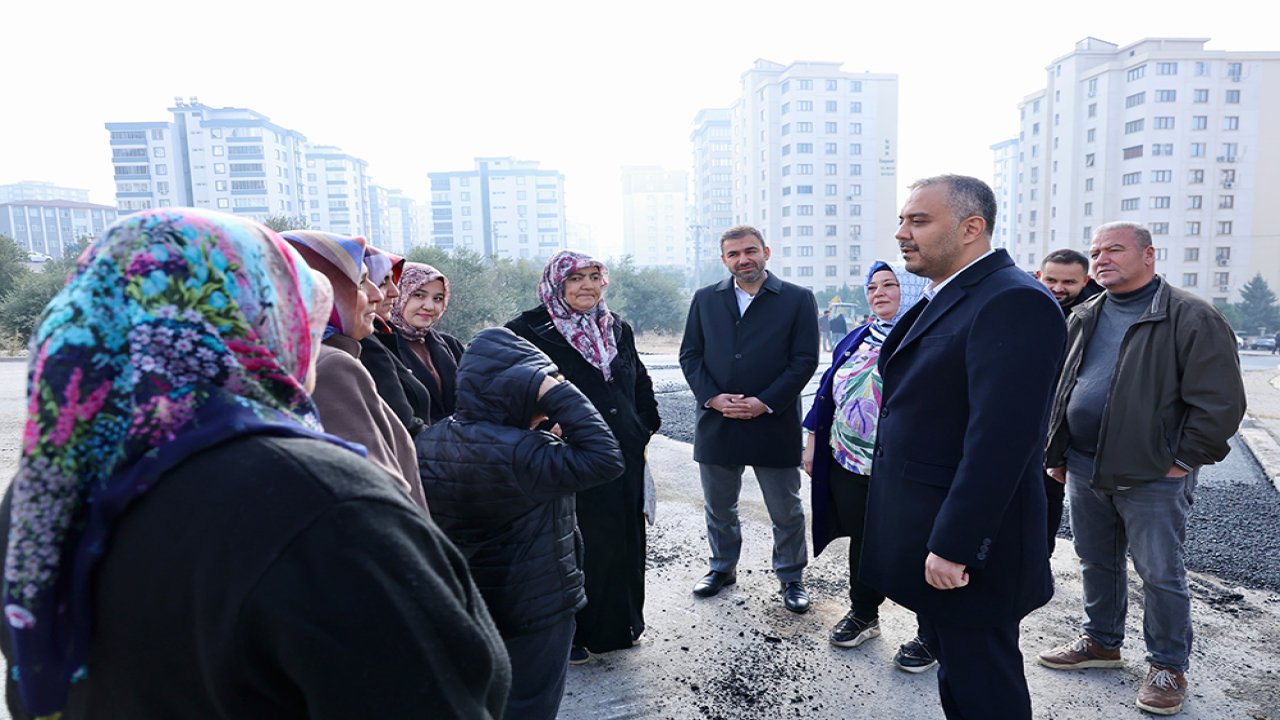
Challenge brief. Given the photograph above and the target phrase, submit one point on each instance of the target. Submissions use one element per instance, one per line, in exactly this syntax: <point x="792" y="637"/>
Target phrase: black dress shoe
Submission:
<point x="713" y="582"/>
<point x="795" y="597"/>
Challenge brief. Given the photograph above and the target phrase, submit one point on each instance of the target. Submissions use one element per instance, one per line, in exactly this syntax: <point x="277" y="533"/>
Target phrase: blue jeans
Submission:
<point x="721" y="485"/>
<point x="1150" y="522"/>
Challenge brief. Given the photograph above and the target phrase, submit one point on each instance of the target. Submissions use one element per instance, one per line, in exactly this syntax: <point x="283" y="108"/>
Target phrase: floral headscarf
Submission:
<point x="590" y="332"/>
<point x="414" y="276"/>
<point x="179" y="330"/>
<point x="910" y="290"/>
<point x="341" y="259"/>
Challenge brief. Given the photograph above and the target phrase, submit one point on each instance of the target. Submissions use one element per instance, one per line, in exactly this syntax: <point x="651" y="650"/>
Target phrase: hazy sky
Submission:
<point x="583" y="87"/>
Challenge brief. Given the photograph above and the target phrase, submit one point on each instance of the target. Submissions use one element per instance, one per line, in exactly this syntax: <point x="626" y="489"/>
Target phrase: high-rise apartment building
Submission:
<point x="712" y="206"/>
<point x="37" y="190"/>
<point x="402" y="223"/>
<point x="1004" y="183"/>
<point x="51" y="227"/>
<point x="1164" y="132"/>
<point x="815" y="152"/>
<point x="655" y="217"/>
<point x="502" y="208"/>
<point x="236" y="160"/>
<point x="337" y="186"/>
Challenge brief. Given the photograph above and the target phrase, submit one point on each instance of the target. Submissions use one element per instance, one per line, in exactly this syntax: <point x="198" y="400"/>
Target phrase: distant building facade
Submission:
<point x="1164" y="132"/>
<point x="37" y="190"/>
<point x="1004" y="182"/>
<point x="815" y="153"/>
<point x="503" y="207"/>
<point x="52" y="227"/>
<point x="337" y="186"/>
<point x="655" y="218"/>
<point x="712" y="202"/>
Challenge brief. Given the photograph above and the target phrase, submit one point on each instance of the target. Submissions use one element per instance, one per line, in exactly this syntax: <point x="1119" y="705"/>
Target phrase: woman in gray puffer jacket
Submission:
<point x="504" y="494"/>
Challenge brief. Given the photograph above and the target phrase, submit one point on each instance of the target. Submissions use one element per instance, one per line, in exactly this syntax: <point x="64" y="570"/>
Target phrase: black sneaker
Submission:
<point x="852" y="631"/>
<point x="579" y="655"/>
<point x="914" y="657"/>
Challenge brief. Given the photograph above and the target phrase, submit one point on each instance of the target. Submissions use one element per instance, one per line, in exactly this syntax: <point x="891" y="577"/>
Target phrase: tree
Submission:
<point x="1259" y="312"/>
<point x="483" y="292"/>
<point x="13" y="260"/>
<point x="281" y="223"/>
<point x="22" y="306"/>
<point x="1231" y="313"/>
<point x="651" y="299"/>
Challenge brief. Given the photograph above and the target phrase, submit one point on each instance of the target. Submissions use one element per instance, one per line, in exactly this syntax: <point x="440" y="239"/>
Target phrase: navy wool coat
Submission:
<point x="770" y="353"/>
<point x="968" y="381"/>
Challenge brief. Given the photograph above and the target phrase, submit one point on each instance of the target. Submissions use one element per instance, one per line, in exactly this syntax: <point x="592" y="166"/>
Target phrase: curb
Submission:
<point x="1264" y="448"/>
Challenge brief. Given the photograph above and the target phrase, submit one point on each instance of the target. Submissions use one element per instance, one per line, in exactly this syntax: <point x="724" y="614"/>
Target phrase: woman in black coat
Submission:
<point x="595" y="350"/>
<point x="431" y="355"/>
<point x="404" y="392"/>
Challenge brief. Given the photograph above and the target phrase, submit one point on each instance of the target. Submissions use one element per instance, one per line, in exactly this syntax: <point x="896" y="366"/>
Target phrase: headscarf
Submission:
<point x="590" y="332"/>
<point x="414" y="276"/>
<point x="178" y="330"/>
<point x="910" y="290"/>
<point x="380" y="262"/>
<point x="341" y="259"/>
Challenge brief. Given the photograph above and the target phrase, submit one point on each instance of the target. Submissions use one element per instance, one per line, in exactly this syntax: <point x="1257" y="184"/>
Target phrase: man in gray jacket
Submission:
<point x="1151" y="391"/>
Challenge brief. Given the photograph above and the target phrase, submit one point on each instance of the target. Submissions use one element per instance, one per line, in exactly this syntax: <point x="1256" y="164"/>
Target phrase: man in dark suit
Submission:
<point x="750" y="346"/>
<point x="955" y="519"/>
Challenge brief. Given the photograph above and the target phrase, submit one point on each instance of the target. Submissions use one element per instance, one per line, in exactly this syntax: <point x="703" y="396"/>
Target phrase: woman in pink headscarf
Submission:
<point x="432" y="355"/>
<point x="595" y="350"/>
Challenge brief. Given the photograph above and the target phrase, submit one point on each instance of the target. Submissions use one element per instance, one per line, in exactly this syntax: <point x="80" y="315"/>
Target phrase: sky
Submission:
<point x="582" y="87"/>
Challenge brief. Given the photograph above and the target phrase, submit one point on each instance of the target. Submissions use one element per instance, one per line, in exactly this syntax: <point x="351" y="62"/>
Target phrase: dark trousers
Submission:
<point x="979" y="670"/>
<point x="539" y="663"/>
<point x="849" y="496"/>
<point x="1054" y="491"/>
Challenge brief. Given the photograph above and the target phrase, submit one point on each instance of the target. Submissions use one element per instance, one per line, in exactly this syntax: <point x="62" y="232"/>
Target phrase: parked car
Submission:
<point x="1263" y="343"/>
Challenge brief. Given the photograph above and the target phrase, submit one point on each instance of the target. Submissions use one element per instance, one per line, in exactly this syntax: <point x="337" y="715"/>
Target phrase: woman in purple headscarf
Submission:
<point x="182" y="539"/>
<point x="596" y="351"/>
<point x="432" y="355"/>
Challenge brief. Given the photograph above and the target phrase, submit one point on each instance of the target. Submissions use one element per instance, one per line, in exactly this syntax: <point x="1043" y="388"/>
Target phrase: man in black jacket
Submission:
<point x="750" y="346"/>
<point x="1066" y="273"/>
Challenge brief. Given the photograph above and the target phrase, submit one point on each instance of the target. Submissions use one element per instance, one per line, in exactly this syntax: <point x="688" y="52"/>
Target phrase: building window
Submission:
<point x="1166" y="96"/>
<point x="1162" y="149"/>
<point x="855" y="86"/>
<point x="1198" y="149"/>
<point x="1136" y="73"/>
<point x="1164" y="122"/>
<point x="1226" y="202"/>
<point x="157" y="134"/>
<point x="1193" y="227"/>
<point x="832" y="148"/>
<point x="804" y="148"/>
<point x="855" y="107"/>
<point x="1230" y="122"/>
<point x="806" y="84"/>
<point x="805" y="271"/>
<point x="1233" y="97"/>
<point x="831" y="232"/>
<point x="1195" y="202"/>
<point x="1090" y="135"/>
<point x="786" y="87"/>
<point x="1190" y="279"/>
<point x="1088" y="184"/>
<point x="1222" y="280"/>
<point x="1088" y="208"/>
<point x="833" y="85"/>
<point x="1195" y="177"/>
<point x="829" y="210"/>
<point x="855" y="149"/>
<point x="1160" y="202"/>
<point x="1167" y="68"/>
<point x="1088" y="159"/>
<point x="832" y="106"/>
<point x="1228" y="152"/>
<point x="804" y="169"/>
<point x="1133" y="178"/>
<point x="1093" y="109"/>
<point x="831" y="189"/>
<point x="1134" y="126"/>
<point x="1224" y="227"/>
<point x="224" y="203"/>
<point x="1161" y="176"/>
<point x="1200" y="95"/>
<point x="830" y="169"/>
<point x="831" y="271"/>
<point x="1234" y="70"/>
<point x="162" y="169"/>
<point x="804" y="210"/>
<point x="1160" y="228"/>
<point x="804" y="127"/>
<point x="1130" y="204"/>
<point x="1135" y="99"/>
<point x="805" y="250"/>
<point x="1202" y="68"/>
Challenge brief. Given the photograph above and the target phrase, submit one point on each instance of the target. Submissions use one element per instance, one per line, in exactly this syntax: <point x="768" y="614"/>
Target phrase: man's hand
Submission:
<point x="1059" y="474"/>
<point x="807" y="457"/>
<point x="721" y="402"/>
<point x="1176" y="471"/>
<point x="944" y="574"/>
<point x="745" y="408"/>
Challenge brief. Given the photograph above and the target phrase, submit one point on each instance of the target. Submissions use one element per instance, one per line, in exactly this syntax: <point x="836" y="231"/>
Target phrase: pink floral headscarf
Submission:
<point x="590" y="332"/>
<point x="414" y="276"/>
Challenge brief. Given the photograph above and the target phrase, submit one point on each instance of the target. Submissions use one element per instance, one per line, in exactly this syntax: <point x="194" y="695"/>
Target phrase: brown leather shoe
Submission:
<point x="1079" y="654"/>
<point x="1163" y="691"/>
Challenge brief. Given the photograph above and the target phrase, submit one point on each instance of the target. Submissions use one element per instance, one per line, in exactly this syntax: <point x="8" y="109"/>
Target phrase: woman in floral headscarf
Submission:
<point x="432" y="355"/>
<point x="345" y="393"/>
<point x="839" y="449"/>
<point x="180" y="526"/>
<point x="596" y="351"/>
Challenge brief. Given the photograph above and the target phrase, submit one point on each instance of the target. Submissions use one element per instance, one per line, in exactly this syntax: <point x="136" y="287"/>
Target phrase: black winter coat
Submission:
<point x="504" y="493"/>
<point x="396" y="384"/>
<point x="610" y="516"/>
<point x="283" y="578"/>
<point x="446" y="351"/>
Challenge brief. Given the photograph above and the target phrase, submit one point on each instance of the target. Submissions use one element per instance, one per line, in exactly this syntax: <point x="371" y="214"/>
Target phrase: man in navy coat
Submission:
<point x="955" y="519"/>
<point x="750" y="346"/>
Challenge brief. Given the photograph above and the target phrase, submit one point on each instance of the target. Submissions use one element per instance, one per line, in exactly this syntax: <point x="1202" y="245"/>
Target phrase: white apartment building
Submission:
<point x="1004" y="183"/>
<point x="655" y="217"/>
<point x="712" y="204"/>
<point x="402" y="223"/>
<point x="337" y="187"/>
<point x="1164" y="132"/>
<point x="236" y="160"/>
<point x="51" y="227"/>
<point x="38" y="190"/>
<point x="502" y="208"/>
<point x="815" y="152"/>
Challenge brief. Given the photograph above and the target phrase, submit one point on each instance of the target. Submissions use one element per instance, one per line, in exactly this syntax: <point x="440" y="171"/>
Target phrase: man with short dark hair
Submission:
<point x="955" y="523"/>
<point x="1066" y="274"/>
<point x="1151" y="391"/>
<point x="750" y="346"/>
